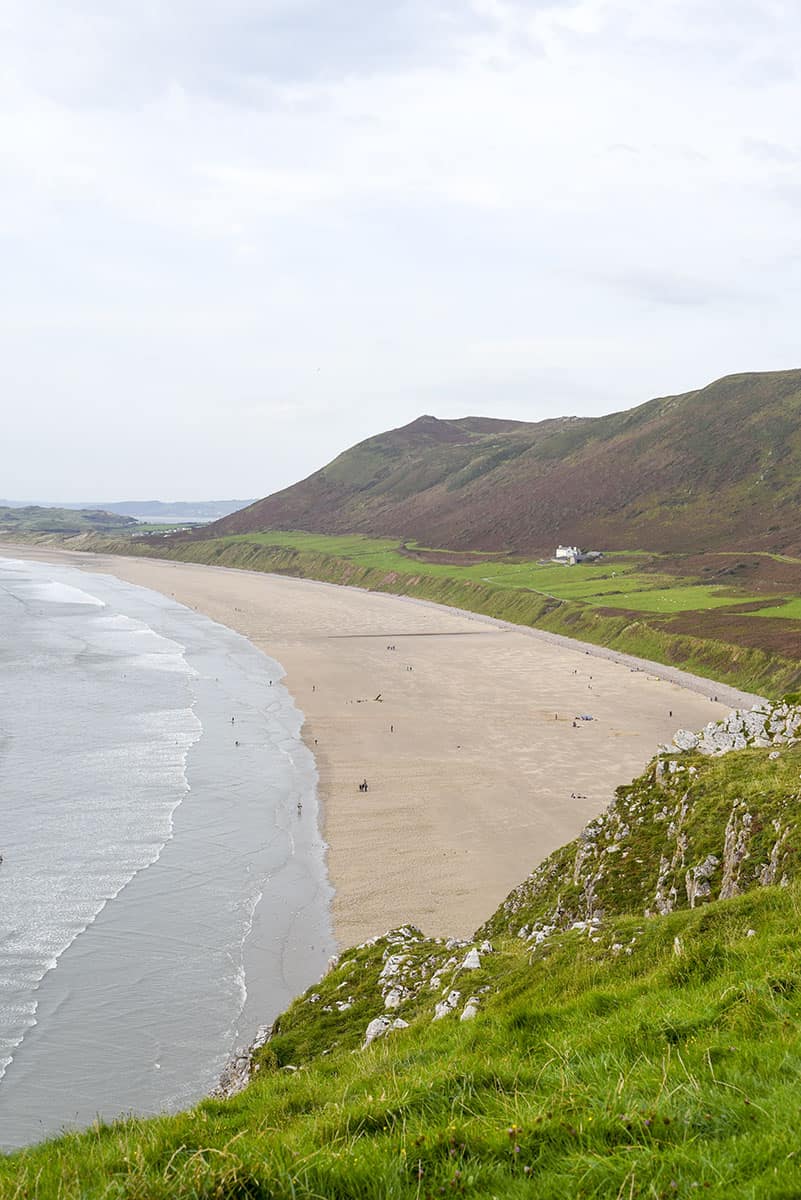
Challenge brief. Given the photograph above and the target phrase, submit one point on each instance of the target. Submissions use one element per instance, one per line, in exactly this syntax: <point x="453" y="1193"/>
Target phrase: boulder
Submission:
<point x="470" y="1009"/>
<point x="446" y="1006"/>
<point x="381" y="1025"/>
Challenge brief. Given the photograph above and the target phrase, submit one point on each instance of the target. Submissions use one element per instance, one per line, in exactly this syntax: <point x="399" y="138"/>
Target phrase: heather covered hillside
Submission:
<point x="717" y="467"/>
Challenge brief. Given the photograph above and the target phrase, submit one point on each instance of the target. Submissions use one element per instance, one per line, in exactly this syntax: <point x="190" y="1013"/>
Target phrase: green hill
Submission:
<point x="39" y="519"/>
<point x="716" y="467"/>
<point x="576" y="1047"/>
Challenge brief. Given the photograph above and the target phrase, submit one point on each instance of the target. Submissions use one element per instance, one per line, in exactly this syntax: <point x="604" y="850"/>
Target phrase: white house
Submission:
<point x="568" y="554"/>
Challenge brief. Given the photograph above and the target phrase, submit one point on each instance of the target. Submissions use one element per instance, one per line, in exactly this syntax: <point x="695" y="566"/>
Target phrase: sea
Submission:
<point x="163" y="886"/>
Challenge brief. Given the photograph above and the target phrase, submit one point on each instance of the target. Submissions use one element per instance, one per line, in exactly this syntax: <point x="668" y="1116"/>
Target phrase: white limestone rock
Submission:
<point x="381" y="1026"/>
<point x="470" y="1009"/>
<point x="445" y="1007"/>
<point x="697" y="880"/>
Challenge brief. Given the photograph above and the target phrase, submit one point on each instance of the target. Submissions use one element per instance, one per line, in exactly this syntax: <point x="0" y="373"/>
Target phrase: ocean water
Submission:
<point x="163" y="890"/>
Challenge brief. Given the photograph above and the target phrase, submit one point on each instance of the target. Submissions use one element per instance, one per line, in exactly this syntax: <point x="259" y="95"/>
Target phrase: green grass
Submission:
<point x="614" y="581"/>
<point x="590" y="1073"/>
<point x="677" y="598"/>
<point x="789" y="609"/>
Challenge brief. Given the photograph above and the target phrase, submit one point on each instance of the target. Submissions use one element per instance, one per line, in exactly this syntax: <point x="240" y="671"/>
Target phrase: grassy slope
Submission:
<point x="644" y="1057"/>
<point x="378" y="566"/>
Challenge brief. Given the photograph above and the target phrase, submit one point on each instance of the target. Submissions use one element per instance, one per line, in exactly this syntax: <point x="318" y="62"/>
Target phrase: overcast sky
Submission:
<point x="237" y="236"/>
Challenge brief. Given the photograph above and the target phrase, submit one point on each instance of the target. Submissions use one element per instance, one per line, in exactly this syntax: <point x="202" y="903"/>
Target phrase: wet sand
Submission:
<point x="462" y="726"/>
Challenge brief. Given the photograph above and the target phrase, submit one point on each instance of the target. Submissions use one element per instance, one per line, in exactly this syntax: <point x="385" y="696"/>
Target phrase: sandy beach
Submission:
<point x="462" y="726"/>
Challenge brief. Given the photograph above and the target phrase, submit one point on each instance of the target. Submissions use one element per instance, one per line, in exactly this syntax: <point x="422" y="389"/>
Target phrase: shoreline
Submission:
<point x="462" y="724"/>
<point x="150" y="854"/>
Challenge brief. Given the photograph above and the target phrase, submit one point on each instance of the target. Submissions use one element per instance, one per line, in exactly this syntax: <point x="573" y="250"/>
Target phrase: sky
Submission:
<point x="238" y="236"/>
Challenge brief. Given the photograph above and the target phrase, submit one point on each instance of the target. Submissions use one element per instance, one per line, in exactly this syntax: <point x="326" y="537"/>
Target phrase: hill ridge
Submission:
<point x="717" y="466"/>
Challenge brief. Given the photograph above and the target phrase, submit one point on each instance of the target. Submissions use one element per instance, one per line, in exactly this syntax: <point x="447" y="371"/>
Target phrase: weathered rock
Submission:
<point x="238" y="1070"/>
<point x="446" y="1006"/>
<point x="761" y="726"/>
<point x="697" y="880"/>
<point x="735" y="849"/>
<point x="685" y="739"/>
<point x="470" y="1009"/>
<point x="380" y="1026"/>
<point x="471" y="960"/>
<point x="768" y="872"/>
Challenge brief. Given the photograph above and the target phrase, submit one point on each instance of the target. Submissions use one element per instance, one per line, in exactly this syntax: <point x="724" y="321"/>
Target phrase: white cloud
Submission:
<point x="268" y="207"/>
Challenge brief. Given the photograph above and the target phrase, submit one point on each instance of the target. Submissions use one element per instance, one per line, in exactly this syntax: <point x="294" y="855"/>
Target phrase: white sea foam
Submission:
<point x="105" y="774"/>
<point x="95" y="811"/>
<point x="54" y="592"/>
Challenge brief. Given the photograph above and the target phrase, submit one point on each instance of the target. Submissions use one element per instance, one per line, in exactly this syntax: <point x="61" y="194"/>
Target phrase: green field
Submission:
<point x="616" y="581"/>
<point x="790" y="610"/>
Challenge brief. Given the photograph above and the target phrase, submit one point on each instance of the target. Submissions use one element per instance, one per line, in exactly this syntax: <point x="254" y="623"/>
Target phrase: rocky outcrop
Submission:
<point x="735" y="849"/>
<point x="380" y="1026"/>
<point x="698" y="880"/>
<point x="240" y="1067"/>
<point x="762" y="726"/>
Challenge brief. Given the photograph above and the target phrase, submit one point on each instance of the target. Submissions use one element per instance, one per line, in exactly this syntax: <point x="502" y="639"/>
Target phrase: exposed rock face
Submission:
<point x="763" y="725"/>
<point x="381" y="1025"/>
<point x="685" y="740"/>
<point x="470" y="1009"/>
<point x="735" y="850"/>
<point x="698" y="880"/>
<point x="238" y="1070"/>
<point x="769" y="872"/>
<point x="447" y="1005"/>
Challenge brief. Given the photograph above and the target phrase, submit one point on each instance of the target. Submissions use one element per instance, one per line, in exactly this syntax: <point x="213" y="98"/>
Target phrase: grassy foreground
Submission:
<point x="608" y="1054"/>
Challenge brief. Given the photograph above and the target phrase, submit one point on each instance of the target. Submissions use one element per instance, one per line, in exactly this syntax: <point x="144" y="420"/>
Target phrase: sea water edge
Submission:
<point x="191" y="955"/>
